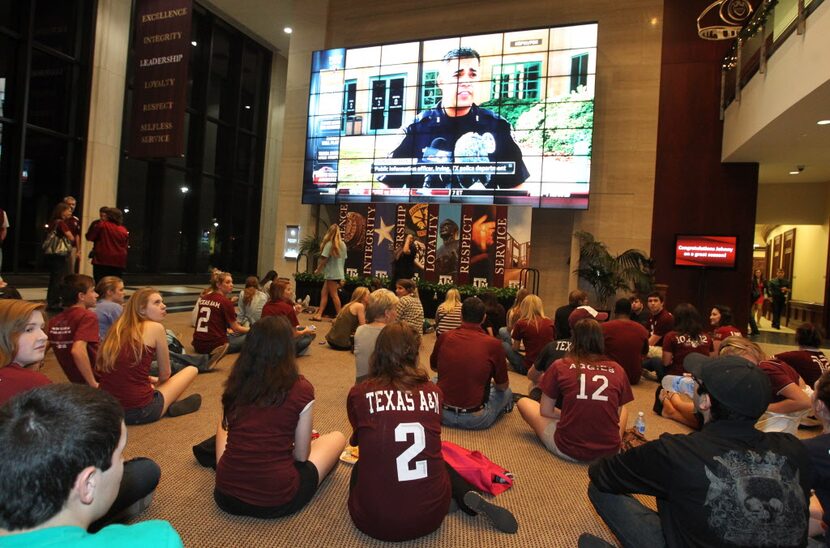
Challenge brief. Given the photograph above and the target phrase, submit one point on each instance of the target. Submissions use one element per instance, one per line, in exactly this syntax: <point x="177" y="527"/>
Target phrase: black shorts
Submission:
<point x="149" y="413"/>
<point x="308" y="486"/>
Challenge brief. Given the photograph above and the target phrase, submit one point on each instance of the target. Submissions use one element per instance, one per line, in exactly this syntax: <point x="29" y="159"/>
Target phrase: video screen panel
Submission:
<point x="698" y="251"/>
<point x="504" y="118"/>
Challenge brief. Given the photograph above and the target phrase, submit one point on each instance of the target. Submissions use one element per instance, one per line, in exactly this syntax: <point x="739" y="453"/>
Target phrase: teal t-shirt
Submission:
<point x="156" y="533"/>
<point x="335" y="266"/>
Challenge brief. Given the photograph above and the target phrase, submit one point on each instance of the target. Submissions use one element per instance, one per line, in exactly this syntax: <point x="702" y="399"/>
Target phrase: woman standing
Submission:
<point x="215" y="314"/>
<point x="381" y="310"/>
<point x="533" y="330"/>
<point x="251" y="300"/>
<point x="401" y="487"/>
<point x="353" y="315"/>
<point x="406" y="259"/>
<point x="267" y="464"/>
<point x="58" y="264"/>
<point x="448" y="315"/>
<point x="410" y="309"/>
<point x="758" y="290"/>
<point x="135" y="340"/>
<point x="282" y="304"/>
<point x="720" y="319"/>
<point x="332" y="265"/>
<point x="110" y="244"/>
<point x="592" y="390"/>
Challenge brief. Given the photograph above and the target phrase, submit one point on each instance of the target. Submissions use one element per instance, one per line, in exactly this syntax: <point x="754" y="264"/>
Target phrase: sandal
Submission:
<point x="659" y="396"/>
<point x="316" y="319"/>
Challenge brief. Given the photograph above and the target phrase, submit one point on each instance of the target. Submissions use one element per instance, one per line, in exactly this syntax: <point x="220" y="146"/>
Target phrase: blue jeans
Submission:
<point x="656" y="365"/>
<point x="235" y="343"/>
<point x="633" y="524"/>
<point x="301" y="343"/>
<point x="516" y="358"/>
<point x="498" y="403"/>
<point x="504" y="335"/>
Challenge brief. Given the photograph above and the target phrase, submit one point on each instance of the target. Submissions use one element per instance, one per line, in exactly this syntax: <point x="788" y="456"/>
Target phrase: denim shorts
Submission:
<point x="149" y="413"/>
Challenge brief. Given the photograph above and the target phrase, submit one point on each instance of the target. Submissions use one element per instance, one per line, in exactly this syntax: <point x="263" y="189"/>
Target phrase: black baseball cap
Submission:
<point x="736" y="383"/>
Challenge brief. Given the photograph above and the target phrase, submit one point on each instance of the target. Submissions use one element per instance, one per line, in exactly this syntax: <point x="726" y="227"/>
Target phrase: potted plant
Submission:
<point x="310" y="247"/>
<point x="631" y="270"/>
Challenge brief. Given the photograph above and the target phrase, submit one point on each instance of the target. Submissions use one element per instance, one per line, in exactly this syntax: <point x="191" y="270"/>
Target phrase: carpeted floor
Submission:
<point x="548" y="498"/>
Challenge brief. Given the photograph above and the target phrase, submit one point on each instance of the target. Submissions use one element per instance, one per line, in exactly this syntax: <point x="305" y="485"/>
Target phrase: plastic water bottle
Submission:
<point x="681" y="384"/>
<point x="640" y="424"/>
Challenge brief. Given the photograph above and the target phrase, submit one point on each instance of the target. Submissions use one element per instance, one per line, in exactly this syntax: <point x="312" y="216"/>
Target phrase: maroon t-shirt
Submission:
<point x="73" y="324"/>
<point x="258" y="464"/>
<point x="780" y="376"/>
<point x="281" y="308"/>
<point x="681" y="346"/>
<point x="129" y="382"/>
<point x="626" y="342"/>
<point x="215" y="314"/>
<point x="15" y="379"/>
<point x="591" y="395"/>
<point x="534" y="337"/>
<point x="466" y="359"/>
<point x="660" y="324"/>
<point x="111" y="244"/>
<point x="725" y="331"/>
<point x="401" y="488"/>
<point x="809" y="364"/>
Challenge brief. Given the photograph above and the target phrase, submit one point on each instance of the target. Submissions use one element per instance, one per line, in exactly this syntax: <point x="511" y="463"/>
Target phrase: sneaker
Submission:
<point x="650" y="375"/>
<point x="502" y="518"/>
<point x="216" y="354"/>
<point x="190" y="404"/>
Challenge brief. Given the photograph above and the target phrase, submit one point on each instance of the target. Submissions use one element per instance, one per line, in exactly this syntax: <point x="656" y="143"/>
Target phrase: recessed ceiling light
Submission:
<point x="823" y="122"/>
<point x="194" y="43"/>
<point x="288" y="30"/>
<point x="794" y="172"/>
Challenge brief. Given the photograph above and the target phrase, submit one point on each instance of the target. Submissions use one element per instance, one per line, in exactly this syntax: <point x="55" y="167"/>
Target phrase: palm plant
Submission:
<point x="631" y="270"/>
<point x="310" y="247"/>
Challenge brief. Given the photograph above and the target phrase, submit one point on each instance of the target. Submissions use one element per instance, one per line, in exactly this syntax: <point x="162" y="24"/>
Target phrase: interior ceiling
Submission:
<point x="791" y="140"/>
<point x="264" y="19"/>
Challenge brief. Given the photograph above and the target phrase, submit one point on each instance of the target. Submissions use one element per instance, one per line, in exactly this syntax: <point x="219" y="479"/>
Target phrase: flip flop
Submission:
<point x="316" y="319"/>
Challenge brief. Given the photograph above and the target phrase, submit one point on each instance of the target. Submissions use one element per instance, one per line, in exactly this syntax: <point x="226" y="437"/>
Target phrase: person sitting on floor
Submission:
<point x="512" y="315"/>
<point x="467" y="359"/>
<point x="593" y="392"/>
<point x="351" y="316"/>
<point x="660" y="322"/>
<point x="394" y="497"/>
<point x="282" y="304"/>
<point x="73" y="334"/>
<point x="626" y="341"/>
<point x="720" y="320"/>
<point x="728" y="485"/>
<point x="495" y="317"/>
<point x="22" y="347"/>
<point x="267" y="465"/>
<point x="448" y="315"/>
<point x="110" y="305"/>
<point x="410" y="309"/>
<point x="808" y="361"/>
<point x="61" y="471"/>
<point x="251" y="300"/>
<point x="790" y="400"/>
<point x="381" y="310"/>
<point x="215" y="316"/>
<point x="686" y="337"/>
<point x="561" y="325"/>
<point x="533" y="330"/>
<point x="136" y="339"/>
<point x="819" y="450"/>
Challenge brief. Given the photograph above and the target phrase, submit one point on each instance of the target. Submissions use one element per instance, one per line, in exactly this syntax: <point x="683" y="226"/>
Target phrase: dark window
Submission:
<point x="387" y="103"/>
<point x="579" y="71"/>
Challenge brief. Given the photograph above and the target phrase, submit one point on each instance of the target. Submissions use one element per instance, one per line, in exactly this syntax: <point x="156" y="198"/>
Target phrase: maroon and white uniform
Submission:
<point x="809" y="363"/>
<point x="402" y="489"/>
<point x="257" y="466"/>
<point x="215" y="313"/>
<point x="780" y="376"/>
<point x="681" y="345"/>
<point x="73" y="324"/>
<point x="534" y="336"/>
<point x="15" y="379"/>
<point x="591" y="395"/>
<point x="129" y="382"/>
<point x="659" y="324"/>
<point x="725" y="331"/>
<point x="626" y="342"/>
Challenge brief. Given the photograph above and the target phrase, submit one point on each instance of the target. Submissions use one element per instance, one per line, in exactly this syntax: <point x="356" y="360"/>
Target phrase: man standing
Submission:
<point x="727" y="485"/>
<point x="466" y="360"/>
<point x="61" y="465"/>
<point x="4" y="229"/>
<point x="626" y="341"/>
<point x="778" y="289"/>
<point x="457" y="131"/>
<point x="74" y="224"/>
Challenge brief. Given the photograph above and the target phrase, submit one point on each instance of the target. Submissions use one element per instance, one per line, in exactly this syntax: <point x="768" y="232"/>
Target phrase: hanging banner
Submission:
<point x="447" y="254"/>
<point x="352" y="224"/>
<point x="161" y="55"/>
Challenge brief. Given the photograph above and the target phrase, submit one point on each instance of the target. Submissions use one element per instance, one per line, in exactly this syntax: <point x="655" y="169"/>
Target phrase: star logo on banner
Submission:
<point x="385" y="232"/>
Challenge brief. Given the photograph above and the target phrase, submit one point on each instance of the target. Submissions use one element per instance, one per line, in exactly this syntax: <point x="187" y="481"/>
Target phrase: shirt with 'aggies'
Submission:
<point x="73" y="324"/>
<point x="400" y="486"/>
<point x="681" y="345"/>
<point x="214" y="314"/>
<point x="810" y="363"/>
<point x="591" y="395"/>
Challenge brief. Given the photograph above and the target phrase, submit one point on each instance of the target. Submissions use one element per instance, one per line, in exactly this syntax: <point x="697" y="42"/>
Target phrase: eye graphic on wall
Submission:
<point x="723" y="19"/>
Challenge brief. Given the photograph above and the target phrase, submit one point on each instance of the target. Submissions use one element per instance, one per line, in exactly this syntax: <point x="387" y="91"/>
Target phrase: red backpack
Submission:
<point x="477" y="469"/>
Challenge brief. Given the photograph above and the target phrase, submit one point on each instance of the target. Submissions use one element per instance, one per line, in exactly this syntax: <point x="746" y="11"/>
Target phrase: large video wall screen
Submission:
<point x="503" y="118"/>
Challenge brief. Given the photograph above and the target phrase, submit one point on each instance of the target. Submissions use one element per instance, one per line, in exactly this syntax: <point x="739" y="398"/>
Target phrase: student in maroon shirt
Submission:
<point x="533" y="329"/>
<point x="22" y="347"/>
<point x="267" y="464"/>
<point x="660" y="322"/>
<point x="135" y="340"/>
<point x="110" y="239"/>
<point x="720" y="319"/>
<point x="626" y="341"/>
<point x="790" y="402"/>
<point x="215" y="315"/>
<point x="282" y="304"/>
<point x="73" y="334"/>
<point x="592" y="390"/>
<point x="808" y="361"/>
<point x="401" y="487"/>
<point x="686" y="338"/>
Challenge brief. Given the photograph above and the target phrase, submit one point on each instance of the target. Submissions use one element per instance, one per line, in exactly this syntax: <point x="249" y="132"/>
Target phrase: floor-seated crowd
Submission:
<point x="741" y="478"/>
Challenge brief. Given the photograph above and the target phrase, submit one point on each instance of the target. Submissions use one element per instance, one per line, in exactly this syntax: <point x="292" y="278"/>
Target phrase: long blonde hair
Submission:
<point x="216" y="279"/>
<point x="451" y="302"/>
<point x="14" y="315"/>
<point x="531" y="310"/>
<point x="128" y="330"/>
<point x="333" y="236"/>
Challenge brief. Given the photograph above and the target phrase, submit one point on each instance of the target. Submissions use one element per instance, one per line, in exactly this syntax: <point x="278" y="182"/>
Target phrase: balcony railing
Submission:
<point x="771" y="24"/>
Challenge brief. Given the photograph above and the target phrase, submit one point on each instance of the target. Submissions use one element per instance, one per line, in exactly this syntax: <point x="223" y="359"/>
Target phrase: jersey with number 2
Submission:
<point x="402" y="489"/>
<point x="214" y="315"/>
